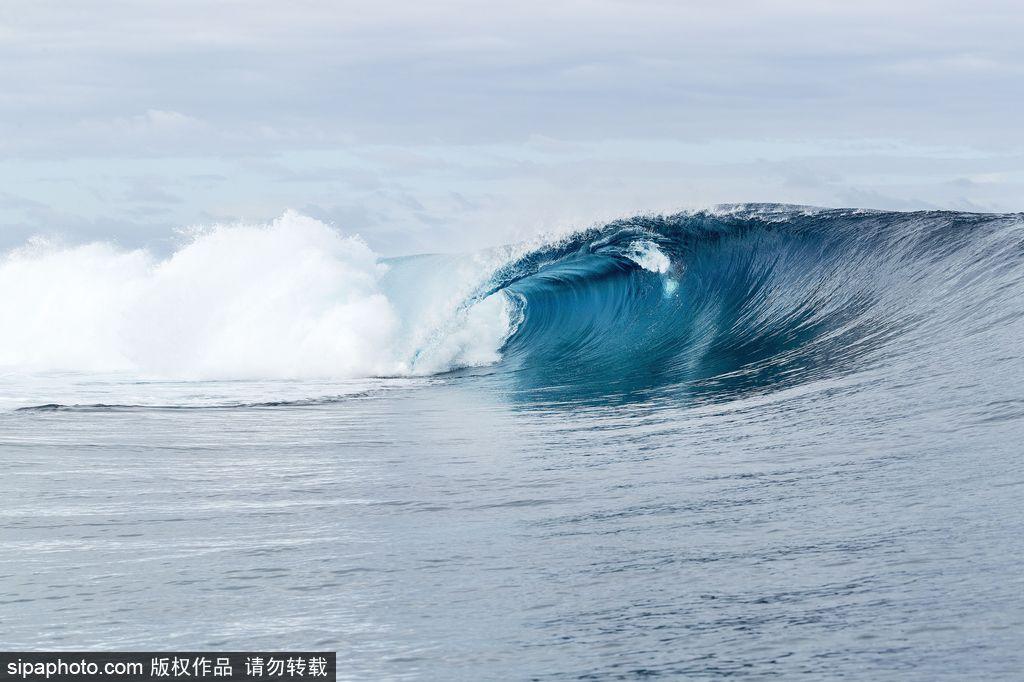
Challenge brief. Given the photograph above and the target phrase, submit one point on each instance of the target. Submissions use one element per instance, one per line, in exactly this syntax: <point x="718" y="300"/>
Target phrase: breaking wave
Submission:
<point x="719" y="300"/>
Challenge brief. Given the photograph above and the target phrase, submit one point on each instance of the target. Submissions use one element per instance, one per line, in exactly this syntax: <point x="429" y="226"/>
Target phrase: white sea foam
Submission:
<point x="648" y="256"/>
<point x="292" y="299"/>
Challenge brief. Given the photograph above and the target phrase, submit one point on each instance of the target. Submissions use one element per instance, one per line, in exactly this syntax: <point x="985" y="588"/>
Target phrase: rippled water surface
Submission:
<point x="823" y="481"/>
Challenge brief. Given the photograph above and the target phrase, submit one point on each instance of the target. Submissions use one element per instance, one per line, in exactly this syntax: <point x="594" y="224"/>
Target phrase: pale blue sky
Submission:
<point x="453" y="125"/>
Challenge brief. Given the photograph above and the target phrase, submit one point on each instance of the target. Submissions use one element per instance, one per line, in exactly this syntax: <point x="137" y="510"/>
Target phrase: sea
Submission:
<point x="753" y="441"/>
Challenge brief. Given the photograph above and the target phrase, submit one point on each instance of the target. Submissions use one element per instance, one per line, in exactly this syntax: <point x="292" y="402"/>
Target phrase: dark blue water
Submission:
<point x="772" y="442"/>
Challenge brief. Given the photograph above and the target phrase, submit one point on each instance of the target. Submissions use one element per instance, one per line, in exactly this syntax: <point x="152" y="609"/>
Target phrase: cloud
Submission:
<point x="10" y="201"/>
<point x="150" y="190"/>
<point x="409" y="120"/>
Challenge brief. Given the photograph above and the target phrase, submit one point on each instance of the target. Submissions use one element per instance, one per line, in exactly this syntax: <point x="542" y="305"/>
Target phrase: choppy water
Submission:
<point x="758" y="442"/>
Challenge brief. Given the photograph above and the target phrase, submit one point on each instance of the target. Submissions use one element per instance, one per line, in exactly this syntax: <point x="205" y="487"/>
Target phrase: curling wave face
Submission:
<point x="732" y="299"/>
<point x="756" y="298"/>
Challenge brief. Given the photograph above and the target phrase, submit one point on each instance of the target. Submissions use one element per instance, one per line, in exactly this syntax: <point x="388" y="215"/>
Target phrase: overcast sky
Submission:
<point x="444" y="125"/>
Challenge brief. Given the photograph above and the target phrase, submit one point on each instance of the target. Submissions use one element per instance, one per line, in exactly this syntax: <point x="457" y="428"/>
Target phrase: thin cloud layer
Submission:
<point x="417" y="122"/>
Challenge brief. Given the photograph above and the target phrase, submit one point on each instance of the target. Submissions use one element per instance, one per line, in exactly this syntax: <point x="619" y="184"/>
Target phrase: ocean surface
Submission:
<point x="755" y="441"/>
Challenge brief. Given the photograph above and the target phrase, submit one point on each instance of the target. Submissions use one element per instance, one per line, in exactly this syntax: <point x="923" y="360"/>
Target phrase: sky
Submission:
<point x="450" y="125"/>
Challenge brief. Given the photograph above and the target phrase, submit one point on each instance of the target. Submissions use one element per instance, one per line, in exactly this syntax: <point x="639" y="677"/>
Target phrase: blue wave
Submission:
<point x="747" y="298"/>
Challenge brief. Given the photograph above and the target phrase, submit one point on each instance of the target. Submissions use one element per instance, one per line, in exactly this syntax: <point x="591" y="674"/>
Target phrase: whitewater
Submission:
<point x="754" y="440"/>
<point x="292" y="299"/>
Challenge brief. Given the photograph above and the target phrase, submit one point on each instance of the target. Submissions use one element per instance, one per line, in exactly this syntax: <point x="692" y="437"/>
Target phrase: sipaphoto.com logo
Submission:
<point x="35" y="669"/>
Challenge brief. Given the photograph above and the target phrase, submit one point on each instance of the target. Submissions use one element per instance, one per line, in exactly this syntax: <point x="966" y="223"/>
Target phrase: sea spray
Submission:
<point x="291" y="299"/>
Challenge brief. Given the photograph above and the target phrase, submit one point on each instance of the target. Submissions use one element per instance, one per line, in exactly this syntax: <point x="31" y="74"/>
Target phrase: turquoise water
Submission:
<point x="767" y="443"/>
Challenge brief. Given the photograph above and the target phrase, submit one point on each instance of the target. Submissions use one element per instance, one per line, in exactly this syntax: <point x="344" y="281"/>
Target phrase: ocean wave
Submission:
<point x="757" y="297"/>
<point x="729" y="298"/>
